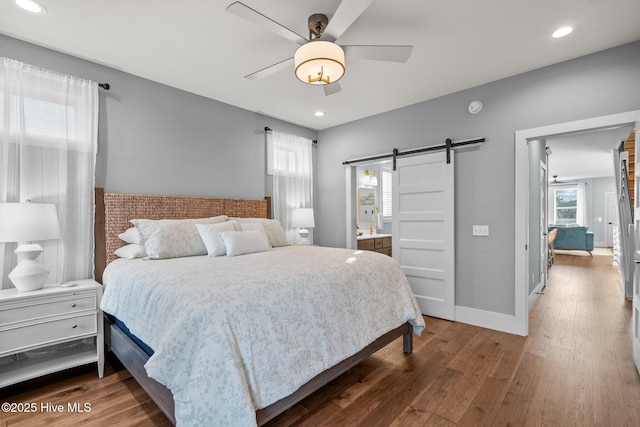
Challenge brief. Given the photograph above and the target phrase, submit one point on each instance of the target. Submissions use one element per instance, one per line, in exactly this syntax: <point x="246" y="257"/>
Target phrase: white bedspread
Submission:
<point x="234" y="334"/>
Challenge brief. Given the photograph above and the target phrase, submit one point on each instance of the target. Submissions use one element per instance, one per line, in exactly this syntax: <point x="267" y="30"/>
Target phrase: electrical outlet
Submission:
<point x="481" y="230"/>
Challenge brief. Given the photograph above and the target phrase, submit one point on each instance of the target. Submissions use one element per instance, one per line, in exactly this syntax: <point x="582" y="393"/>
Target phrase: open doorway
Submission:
<point x="522" y="180"/>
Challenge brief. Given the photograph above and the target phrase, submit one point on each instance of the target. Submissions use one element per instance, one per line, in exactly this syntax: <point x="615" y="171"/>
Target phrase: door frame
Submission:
<point x="544" y="225"/>
<point x="521" y="196"/>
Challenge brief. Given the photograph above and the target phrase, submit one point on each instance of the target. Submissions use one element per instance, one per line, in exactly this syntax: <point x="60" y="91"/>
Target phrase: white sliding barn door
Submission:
<point x="423" y="229"/>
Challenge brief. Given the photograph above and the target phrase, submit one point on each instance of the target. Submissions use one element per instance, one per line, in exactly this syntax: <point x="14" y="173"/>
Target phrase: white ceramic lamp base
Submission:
<point x="28" y="274"/>
<point x="303" y="237"/>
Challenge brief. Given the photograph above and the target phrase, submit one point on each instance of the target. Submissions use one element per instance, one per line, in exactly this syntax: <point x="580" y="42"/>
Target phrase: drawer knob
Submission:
<point x="73" y="305"/>
<point x="74" y="326"/>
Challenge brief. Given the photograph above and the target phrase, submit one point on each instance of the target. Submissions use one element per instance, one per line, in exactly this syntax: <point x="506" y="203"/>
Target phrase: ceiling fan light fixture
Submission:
<point x="319" y="62"/>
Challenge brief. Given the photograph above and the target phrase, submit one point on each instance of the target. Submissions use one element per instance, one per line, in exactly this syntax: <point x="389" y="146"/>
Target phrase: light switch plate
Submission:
<point x="481" y="230"/>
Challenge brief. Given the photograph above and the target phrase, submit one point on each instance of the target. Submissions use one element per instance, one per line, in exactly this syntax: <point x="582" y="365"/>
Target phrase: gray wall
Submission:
<point x="154" y="139"/>
<point x="595" y="85"/>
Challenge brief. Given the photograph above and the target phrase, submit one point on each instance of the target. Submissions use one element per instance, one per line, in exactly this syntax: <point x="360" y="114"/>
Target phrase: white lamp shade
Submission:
<point x="319" y="62"/>
<point x="302" y="217"/>
<point x="28" y="222"/>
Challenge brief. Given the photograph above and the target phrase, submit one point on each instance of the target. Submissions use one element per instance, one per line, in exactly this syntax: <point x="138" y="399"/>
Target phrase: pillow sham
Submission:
<point x="131" y="235"/>
<point x="173" y="238"/>
<point x="244" y="242"/>
<point x="210" y="236"/>
<point x="131" y="251"/>
<point x="255" y="226"/>
<point x="273" y="228"/>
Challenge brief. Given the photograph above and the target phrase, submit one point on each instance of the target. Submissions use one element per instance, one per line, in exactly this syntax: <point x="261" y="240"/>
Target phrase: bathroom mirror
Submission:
<point x="366" y="204"/>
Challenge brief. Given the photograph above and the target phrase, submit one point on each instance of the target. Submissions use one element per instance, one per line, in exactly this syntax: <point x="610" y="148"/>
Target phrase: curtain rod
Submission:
<point x="104" y="86"/>
<point x="448" y="145"/>
<point x="268" y="129"/>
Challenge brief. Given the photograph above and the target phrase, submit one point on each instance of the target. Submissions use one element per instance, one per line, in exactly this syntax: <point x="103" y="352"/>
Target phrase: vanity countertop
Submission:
<point x="366" y="235"/>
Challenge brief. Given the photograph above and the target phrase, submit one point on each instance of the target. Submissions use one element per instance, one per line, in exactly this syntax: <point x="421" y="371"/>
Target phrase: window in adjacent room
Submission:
<point x="565" y="205"/>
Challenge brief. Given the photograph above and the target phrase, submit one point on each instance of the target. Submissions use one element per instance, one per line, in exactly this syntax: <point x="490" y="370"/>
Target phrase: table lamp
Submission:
<point x="28" y="222"/>
<point x="302" y="218"/>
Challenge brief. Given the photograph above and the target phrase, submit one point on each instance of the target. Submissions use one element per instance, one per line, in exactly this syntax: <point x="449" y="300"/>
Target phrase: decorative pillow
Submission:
<point x="173" y="238"/>
<point x="244" y="242"/>
<point x="273" y="228"/>
<point x="131" y="235"/>
<point x="255" y="226"/>
<point x="210" y="236"/>
<point x="131" y="251"/>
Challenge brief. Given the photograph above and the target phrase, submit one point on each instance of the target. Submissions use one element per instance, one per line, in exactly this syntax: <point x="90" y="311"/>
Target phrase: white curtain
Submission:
<point x="290" y="161"/>
<point x="48" y="131"/>
<point x="581" y="208"/>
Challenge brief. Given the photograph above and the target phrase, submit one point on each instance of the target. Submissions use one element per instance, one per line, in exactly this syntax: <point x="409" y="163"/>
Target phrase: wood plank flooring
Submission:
<point x="574" y="369"/>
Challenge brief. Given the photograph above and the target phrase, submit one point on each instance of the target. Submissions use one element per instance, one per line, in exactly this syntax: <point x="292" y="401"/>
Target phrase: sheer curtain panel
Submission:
<point x="48" y="131"/>
<point x="290" y="161"/>
<point x="581" y="205"/>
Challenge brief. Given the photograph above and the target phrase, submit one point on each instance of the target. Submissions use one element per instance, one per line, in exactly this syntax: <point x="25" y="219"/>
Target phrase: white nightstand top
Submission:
<point x="49" y="288"/>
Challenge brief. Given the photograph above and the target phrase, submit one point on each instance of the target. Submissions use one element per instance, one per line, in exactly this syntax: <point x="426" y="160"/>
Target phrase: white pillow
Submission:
<point x="255" y="226"/>
<point x="273" y="228"/>
<point x="210" y="236"/>
<point x="131" y="251"/>
<point x="244" y="242"/>
<point x="131" y="235"/>
<point x="173" y="238"/>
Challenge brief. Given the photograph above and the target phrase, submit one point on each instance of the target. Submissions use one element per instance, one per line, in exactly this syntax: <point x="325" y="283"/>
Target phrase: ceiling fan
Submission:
<point x="320" y="60"/>
<point x="556" y="182"/>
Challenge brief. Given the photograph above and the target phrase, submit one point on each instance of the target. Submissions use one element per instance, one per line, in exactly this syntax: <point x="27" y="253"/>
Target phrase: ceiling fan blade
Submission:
<point x="245" y="12"/>
<point x="346" y="14"/>
<point x="271" y="69"/>
<point x="332" y="88"/>
<point x="379" y="52"/>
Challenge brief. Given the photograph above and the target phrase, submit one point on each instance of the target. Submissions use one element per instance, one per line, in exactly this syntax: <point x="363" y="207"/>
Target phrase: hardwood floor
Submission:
<point x="574" y="369"/>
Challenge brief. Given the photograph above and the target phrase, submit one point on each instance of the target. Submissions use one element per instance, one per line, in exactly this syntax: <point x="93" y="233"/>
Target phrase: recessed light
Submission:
<point x="319" y="113"/>
<point x="561" y="32"/>
<point x="31" y="6"/>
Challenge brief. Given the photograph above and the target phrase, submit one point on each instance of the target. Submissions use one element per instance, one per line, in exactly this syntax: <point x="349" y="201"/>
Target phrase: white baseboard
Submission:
<point x="533" y="296"/>
<point x="488" y="319"/>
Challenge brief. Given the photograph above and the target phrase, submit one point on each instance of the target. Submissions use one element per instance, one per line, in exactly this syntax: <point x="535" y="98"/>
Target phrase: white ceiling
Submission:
<point x="197" y="46"/>
<point x="585" y="154"/>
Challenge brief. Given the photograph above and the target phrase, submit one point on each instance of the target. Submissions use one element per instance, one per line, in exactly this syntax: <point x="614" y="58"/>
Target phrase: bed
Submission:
<point x="246" y="349"/>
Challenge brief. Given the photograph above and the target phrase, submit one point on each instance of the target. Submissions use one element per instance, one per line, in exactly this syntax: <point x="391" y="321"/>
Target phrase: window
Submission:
<point x="290" y="161"/>
<point x="387" y="191"/>
<point x="48" y="143"/>
<point x="565" y="205"/>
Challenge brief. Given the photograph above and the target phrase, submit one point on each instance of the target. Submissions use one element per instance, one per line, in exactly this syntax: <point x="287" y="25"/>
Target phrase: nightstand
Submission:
<point x="49" y="330"/>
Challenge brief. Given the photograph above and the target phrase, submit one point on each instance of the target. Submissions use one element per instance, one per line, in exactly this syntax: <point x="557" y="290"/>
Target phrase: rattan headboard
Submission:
<point x="115" y="210"/>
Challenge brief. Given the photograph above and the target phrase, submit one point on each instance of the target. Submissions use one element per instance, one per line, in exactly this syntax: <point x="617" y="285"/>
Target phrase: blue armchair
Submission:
<point x="573" y="238"/>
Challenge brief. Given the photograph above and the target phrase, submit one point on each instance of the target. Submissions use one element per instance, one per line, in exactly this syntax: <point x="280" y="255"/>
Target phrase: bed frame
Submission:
<point x="112" y="215"/>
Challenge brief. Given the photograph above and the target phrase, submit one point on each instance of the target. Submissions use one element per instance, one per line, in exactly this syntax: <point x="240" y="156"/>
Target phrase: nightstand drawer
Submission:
<point x="19" y="338"/>
<point x="45" y="307"/>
